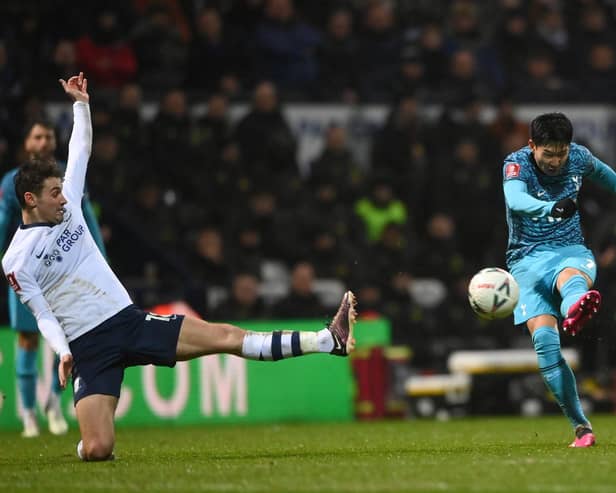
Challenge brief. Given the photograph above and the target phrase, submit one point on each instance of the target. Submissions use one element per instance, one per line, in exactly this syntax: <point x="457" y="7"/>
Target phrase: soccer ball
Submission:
<point x="493" y="293"/>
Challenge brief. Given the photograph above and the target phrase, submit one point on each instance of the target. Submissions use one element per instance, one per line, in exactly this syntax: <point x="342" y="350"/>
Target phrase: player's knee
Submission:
<point x="232" y="336"/>
<point x="97" y="449"/>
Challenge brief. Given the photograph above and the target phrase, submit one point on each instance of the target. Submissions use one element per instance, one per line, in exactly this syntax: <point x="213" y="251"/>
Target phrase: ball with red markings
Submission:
<point x="493" y="293"/>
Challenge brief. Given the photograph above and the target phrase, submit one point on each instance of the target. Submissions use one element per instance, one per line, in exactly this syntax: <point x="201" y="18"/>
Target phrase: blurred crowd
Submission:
<point x="216" y="212"/>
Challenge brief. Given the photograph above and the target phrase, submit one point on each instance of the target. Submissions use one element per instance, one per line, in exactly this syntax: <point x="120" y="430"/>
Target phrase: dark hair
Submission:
<point x="31" y="177"/>
<point x="33" y="123"/>
<point x="551" y="128"/>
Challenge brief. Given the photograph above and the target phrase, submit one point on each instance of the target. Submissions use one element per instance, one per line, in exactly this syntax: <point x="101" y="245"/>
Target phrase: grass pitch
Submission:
<point x="471" y="455"/>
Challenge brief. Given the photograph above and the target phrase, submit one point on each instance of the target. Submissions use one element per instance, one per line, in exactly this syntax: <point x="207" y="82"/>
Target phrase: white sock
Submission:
<point x="80" y="449"/>
<point x="285" y="344"/>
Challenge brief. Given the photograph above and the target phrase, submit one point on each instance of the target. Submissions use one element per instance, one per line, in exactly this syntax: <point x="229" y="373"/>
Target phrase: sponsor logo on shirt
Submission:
<point x="68" y="238"/>
<point x="55" y="255"/>
<point x="512" y="170"/>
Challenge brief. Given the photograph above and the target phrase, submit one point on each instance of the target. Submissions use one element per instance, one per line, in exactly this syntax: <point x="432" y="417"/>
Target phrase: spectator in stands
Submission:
<point x="246" y="242"/>
<point x="160" y="49"/>
<point x="394" y="251"/>
<point x="331" y="254"/>
<point x="512" y="42"/>
<point x="105" y="53"/>
<point x="212" y="132"/>
<point x="128" y="124"/>
<point x="379" y="208"/>
<point x="170" y="143"/>
<point x="9" y="75"/>
<point x="551" y="34"/>
<point x="301" y="302"/>
<point x="464" y="81"/>
<point x="597" y="81"/>
<point x="336" y="164"/>
<point x="380" y="45"/>
<point x="338" y="58"/>
<point x="440" y="254"/>
<point x="466" y="183"/>
<point x="592" y="24"/>
<point x="110" y="177"/>
<point x="285" y="49"/>
<point x="218" y="58"/>
<point x="62" y="64"/>
<point x="400" y="149"/>
<point x="539" y="81"/>
<point x="505" y="126"/>
<point x="266" y="141"/>
<point x="244" y="302"/>
<point x="411" y="77"/>
<point x="208" y="261"/>
<point x="433" y="53"/>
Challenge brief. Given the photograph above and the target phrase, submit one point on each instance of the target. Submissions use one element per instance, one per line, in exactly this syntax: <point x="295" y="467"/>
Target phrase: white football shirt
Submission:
<point x="56" y="269"/>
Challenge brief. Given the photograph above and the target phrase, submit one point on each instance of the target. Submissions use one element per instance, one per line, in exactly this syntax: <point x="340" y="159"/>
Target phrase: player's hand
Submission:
<point x="65" y="368"/>
<point x="77" y="88"/>
<point x="564" y="208"/>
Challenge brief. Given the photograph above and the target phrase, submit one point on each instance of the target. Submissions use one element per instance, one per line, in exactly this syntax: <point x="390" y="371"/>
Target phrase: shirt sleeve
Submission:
<point x="603" y="175"/>
<point x="79" y="148"/>
<point x="30" y="294"/>
<point x="48" y="325"/>
<point x="521" y="202"/>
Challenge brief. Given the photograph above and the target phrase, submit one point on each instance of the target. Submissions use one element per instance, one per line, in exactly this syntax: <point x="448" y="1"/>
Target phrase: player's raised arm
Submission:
<point x="521" y="202"/>
<point x="80" y="144"/>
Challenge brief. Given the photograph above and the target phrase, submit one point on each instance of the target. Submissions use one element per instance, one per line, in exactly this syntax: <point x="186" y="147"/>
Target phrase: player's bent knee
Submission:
<point x="97" y="449"/>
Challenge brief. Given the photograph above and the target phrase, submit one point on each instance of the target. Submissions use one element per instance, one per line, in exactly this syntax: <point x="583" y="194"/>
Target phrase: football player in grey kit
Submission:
<point x="546" y="252"/>
<point x="86" y="314"/>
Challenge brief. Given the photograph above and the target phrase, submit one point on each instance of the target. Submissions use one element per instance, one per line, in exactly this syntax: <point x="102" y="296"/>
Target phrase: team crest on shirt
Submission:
<point x="512" y="170"/>
<point x="10" y="277"/>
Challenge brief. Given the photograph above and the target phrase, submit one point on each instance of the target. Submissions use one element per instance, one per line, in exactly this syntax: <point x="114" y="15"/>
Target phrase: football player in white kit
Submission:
<point x="88" y="317"/>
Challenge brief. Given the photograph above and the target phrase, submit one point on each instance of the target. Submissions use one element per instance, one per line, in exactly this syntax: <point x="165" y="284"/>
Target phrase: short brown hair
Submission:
<point x="31" y="177"/>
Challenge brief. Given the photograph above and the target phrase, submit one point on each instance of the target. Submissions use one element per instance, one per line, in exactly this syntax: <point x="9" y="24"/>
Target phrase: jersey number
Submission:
<point x="162" y="318"/>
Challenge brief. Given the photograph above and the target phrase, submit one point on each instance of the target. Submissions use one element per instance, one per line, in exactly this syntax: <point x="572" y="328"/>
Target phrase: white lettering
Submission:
<point x="172" y="407"/>
<point x="227" y="383"/>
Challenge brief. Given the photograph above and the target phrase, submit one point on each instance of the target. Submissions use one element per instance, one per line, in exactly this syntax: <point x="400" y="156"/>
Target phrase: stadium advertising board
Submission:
<point x="216" y="388"/>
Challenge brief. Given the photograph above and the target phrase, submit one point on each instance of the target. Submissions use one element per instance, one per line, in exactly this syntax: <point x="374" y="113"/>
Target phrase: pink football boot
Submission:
<point x="581" y="312"/>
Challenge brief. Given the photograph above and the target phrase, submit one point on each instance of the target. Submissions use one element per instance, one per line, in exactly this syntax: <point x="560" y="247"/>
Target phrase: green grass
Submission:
<point x="472" y="455"/>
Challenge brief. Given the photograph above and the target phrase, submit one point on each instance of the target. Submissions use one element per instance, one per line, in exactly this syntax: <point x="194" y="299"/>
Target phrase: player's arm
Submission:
<point x="521" y="202"/>
<point x="30" y="294"/>
<point x="80" y="143"/>
<point x="52" y="331"/>
<point x="603" y="175"/>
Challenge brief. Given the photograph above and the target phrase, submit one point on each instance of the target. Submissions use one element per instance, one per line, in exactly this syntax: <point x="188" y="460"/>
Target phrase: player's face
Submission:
<point x="50" y="202"/>
<point x="41" y="142"/>
<point x="550" y="158"/>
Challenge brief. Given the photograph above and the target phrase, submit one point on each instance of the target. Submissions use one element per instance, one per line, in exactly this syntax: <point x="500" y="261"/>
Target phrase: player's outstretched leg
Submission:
<point x="336" y="338"/>
<point x="582" y="311"/>
<point x="584" y="437"/>
<point x="53" y="409"/>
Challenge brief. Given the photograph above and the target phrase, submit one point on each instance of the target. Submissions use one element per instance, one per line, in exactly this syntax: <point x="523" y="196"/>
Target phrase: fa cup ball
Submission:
<point x="493" y="293"/>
